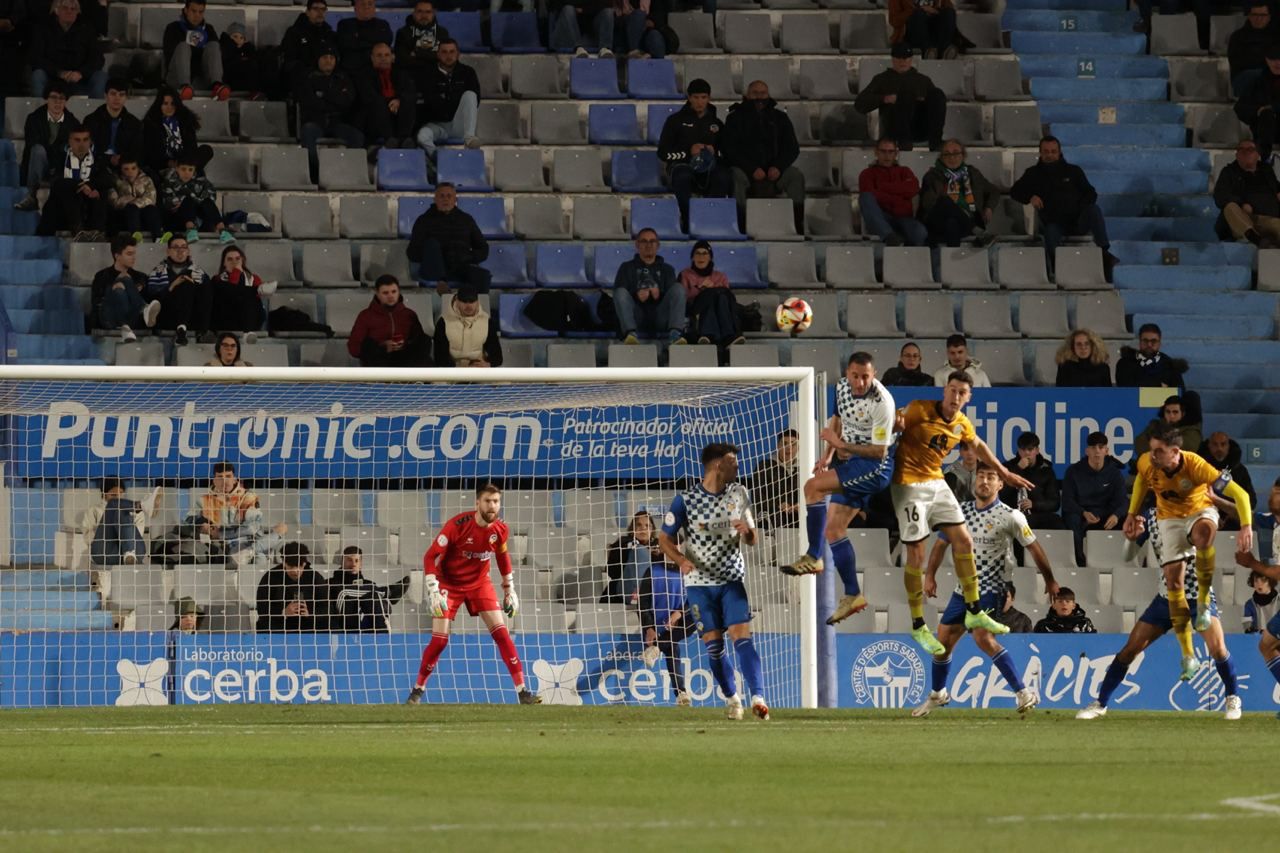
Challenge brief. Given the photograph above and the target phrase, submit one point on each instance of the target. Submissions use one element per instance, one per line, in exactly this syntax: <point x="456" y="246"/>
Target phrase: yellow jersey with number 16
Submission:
<point x="925" y="441"/>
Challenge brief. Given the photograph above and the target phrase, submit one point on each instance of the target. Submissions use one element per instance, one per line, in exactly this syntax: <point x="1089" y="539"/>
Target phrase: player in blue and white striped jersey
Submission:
<point x="994" y="527"/>
<point x="715" y="515"/>
<point x="1153" y="624"/>
<point x="857" y="466"/>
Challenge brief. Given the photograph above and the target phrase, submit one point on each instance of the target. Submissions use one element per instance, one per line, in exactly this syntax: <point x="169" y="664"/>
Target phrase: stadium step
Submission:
<point x="1074" y="6"/>
<point x="1262" y="354"/>
<point x="1228" y="374"/>
<point x="1067" y="20"/>
<point x="1112" y="181"/>
<point x="29" y="579"/>
<point x="50" y="297"/>
<point x="55" y="620"/>
<point x="1182" y="278"/>
<point x="40" y="321"/>
<point x="1155" y="205"/>
<point x="1206" y="254"/>
<point x="1256" y="400"/>
<point x="30" y="248"/>
<point x="1160" y="228"/>
<point x="1094" y="157"/>
<point x="1228" y="303"/>
<point x="1102" y="90"/>
<point x="1127" y="113"/>
<point x="1244" y="425"/>
<point x="1077" y="44"/>
<point x="1232" y="327"/>
<point x="1157" y="135"/>
<point x="49" y="599"/>
<point x="1104" y="67"/>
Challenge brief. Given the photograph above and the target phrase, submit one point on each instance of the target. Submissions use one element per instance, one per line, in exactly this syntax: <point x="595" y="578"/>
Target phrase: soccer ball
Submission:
<point x="794" y="315"/>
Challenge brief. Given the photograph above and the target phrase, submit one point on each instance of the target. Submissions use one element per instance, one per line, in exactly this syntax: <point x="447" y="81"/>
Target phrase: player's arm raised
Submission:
<point x="1133" y="524"/>
<point x="986" y="454"/>
<point x="940" y="546"/>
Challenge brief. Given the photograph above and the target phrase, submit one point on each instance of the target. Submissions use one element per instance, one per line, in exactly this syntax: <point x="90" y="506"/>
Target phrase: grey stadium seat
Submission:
<point x="1102" y="312"/>
<point x="499" y="123"/>
<point x="986" y="315"/>
<point x="841" y="124"/>
<point x="307" y="217"/>
<point x="776" y="73"/>
<point x="85" y="259"/>
<point x="519" y="170"/>
<point x="693" y="356"/>
<point x="998" y="80"/>
<point x="327" y="264"/>
<point x="250" y="202"/>
<point x="598" y="217"/>
<point x="284" y="169"/>
<point x="717" y="71"/>
<point x="852" y="267"/>
<point x="1043" y="315"/>
<point x="863" y="32"/>
<point x="771" y="219"/>
<point x="819" y="177"/>
<point x="1003" y="363"/>
<point x="754" y="355"/>
<point x="1175" y="35"/>
<point x="964" y="122"/>
<point x="793" y="266"/>
<point x="873" y="315"/>
<point x="137" y="586"/>
<point x="1215" y="126"/>
<point x="366" y="216"/>
<point x="822" y="356"/>
<point x="640" y="355"/>
<point x="329" y="354"/>
<point x="557" y="124"/>
<point x="215" y="119"/>
<point x="696" y="31"/>
<point x="266" y="354"/>
<point x="493" y="84"/>
<point x="748" y="32"/>
<point x="929" y="315"/>
<point x="541" y="218"/>
<point x="1196" y="80"/>
<point x="578" y="171"/>
<point x="950" y="76"/>
<point x="806" y="34"/>
<point x="381" y="258"/>
<point x="344" y="169"/>
<point x="824" y="79"/>
<point x="537" y="76"/>
<point x="231" y="168"/>
<point x="1044" y="363"/>
<point x="1016" y="126"/>
<point x="800" y="114"/>
<point x="908" y="267"/>
<point x="1079" y="268"/>
<point x="264" y="121"/>
<point x="140" y="354"/>
<point x="967" y="268"/>
<point x="571" y="355"/>
<point x="333" y="509"/>
<point x="299" y="301"/>
<point x="1268" y="268"/>
<point x="830" y="218"/>
<point x="1022" y="267"/>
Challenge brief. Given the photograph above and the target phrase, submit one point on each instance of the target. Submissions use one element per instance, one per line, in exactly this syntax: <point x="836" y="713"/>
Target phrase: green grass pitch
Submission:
<point x="585" y="779"/>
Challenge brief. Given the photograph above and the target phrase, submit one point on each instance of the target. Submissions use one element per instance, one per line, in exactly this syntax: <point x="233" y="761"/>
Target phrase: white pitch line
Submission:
<point x="1255" y="805"/>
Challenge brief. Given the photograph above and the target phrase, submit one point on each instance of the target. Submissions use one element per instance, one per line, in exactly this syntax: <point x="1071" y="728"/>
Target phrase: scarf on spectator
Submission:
<point x="959" y="187"/>
<point x="78" y="168"/>
<point x="424" y="37"/>
<point x="201" y="33"/>
<point x="466" y="334"/>
<point x="172" y="136"/>
<point x="385" y="86"/>
<point x="1148" y="362"/>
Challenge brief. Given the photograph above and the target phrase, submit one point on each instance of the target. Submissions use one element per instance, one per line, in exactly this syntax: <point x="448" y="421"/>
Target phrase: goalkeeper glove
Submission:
<point x="510" y="604"/>
<point x="436" y="597"/>
<point x="650" y="655"/>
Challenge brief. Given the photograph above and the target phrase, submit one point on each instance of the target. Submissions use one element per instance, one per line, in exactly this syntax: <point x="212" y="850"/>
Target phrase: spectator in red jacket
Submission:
<point x="388" y="333"/>
<point x="885" y="191"/>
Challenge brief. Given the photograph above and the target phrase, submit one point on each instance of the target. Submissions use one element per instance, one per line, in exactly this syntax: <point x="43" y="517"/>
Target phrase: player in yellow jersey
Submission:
<point x="1188" y="523"/>
<point x="924" y="502"/>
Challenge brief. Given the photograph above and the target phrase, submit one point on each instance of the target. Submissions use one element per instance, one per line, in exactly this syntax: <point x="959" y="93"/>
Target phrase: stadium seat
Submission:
<point x="607" y="260"/>
<point x="637" y="172"/>
<point x="928" y="315"/>
<point x="577" y="171"/>
<point x="307" y="217"/>
<point x="771" y="219"/>
<point x="656" y="119"/>
<point x="775" y="73"/>
<point x="1215" y="126"/>
<point x="1132" y="587"/>
<point x="714" y="219"/>
<point x="694" y="355"/>
<point x="519" y="170"/>
<point x="652" y="80"/>
<point x="830" y="218"/>
<point x="824" y="80"/>
<point x="1175" y="35"/>
<point x="908" y="267"/>
<point x="515" y="32"/>
<point x="512" y="321"/>
<point x="85" y="259"/>
<point x="806" y="34"/>
<point x="748" y="32"/>
<point x="536" y="76"/>
<point x="717" y="71"/>
<point x="696" y="31"/>
<point x="327" y="264"/>
<point x="1022" y="267"/>
<point x="463" y="27"/>
<point x="328" y="354"/>
<point x="1079" y="268"/>
<point x="822" y="356"/>
<point x="464" y="168"/>
<point x="365" y="216"/>
<point x="863" y="33"/>
<point x="207" y="585"/>
<point x="402" y="169"/>
<point x="598" y="218"/>
<point x="540" y="218"/>
<point x="493" y="84"/>
<point x="637" y="355"/>
<point x="140" y="354"/>
<point x="851" y="267"/>
<point x="1014" y="127"/>
<point x="793" y="265"/>
<point x="489" y="212"/>
<point x="613" y="124"/>
<point x="589" y="510"/>
<point x="561" y="265"/>
<point x="265" y="121"/>
<point x="660" y="214"/>
<point x="344" y="169"/>
<point x="815" y="165"/>
<point x="1103" y="313"/>
<point x="998" y="80"/>
<point x="593" y="79"/>
<point x="986" y="315"/>
<point x="500" y="124"/>
<point x="741" y="265"/>
<point x="138" y="586"/>
<point x="1106" y="549"/>
<point x="964" y="122"/>
<point x="965" y="268"/>
<point x="753" y="355"/>
<point x="1196" y="80"/>
<point x="507" y="264"/>
<point x="249" y="202"/>
<point x="1003" y="363"/>
<point x="1043" y="315"/>
<point x="302" y="301"/>
<point x="826" y="314"/>
<point x="215" y="119"/>
<point x="556" y="124"/>
<point x="231" y="168"/>
<point x="284" y="169"/>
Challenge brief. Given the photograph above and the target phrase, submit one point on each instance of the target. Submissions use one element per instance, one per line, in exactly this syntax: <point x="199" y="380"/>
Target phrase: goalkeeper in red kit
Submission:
<point x="457" y="568"/>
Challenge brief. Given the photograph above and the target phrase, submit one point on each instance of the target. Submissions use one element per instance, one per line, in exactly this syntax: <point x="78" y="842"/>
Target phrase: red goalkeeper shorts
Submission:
<point x="477" y="598"/>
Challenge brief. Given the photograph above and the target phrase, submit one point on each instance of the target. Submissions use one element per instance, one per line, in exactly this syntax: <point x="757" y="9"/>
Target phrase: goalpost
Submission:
<point x="343" y="458"/>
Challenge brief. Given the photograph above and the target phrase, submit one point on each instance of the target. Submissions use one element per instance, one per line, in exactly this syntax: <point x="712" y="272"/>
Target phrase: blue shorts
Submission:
<point x="1157" y="612"/>
<point x="954" y="614"/>
<point x="1273" y="626"/>
<point x="715" y="608"/>
<point x="862" y="479"/>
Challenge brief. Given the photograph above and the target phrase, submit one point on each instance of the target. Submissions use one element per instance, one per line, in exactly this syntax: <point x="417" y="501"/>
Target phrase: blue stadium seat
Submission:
<point x="592" y="298"/>
<point x="508" y="265"/>
<point x="609" y="257"/>
<point x="637" y="172"/>
<point x="657" y="119"/>
<point x="403" y="169"/>
<point x="714" y="219"/>
<point x="511" y="320"/>
<point x="464" y="168"/>
<point x="410" y="208"/>
<point x="660" y="214"/>
<point x="489" y="213"/>
<point x="561" y="265"/>
<point x="30" y="272"/>
<point x="515" y="32"/>
<point x="653" y="80"/>
<point x="463" y="27"/>
<point x="740" y="265"/>
<point x="594" y="80"/>
<point x="613" y="124"/>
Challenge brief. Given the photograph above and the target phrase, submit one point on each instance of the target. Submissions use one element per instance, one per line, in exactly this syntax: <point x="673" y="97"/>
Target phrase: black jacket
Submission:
<point x="908" y="86"/>
<point x="324" y="98"/>
<point x="360" y="605"/>
<point x="1083" y="374"/>
<point x="1166" y="371"/>
<point x="933" y="186"/>
<point x="684" y="129"/>
<point x="102" y="282"/>
<point x="54" y="50"/>
<point x="357" y="38"/>
<point x="460" y="239"/>
<point x="1263" y="93"/>
<point x="441" y="92"/>
<point x="1017" y="621"/>
<point x="758" y="138"/>
<point x="773" y="486"/>
<point x="903" y="378"/>
<point x="128" y="133"/>
<point x="276" y="590"/>
<point x="303" y="42"/>
<point x="1102" y="493"/>
<point x="1257" y="188"/>
<point x="1063" y="188"/>
<point x="153" y="142"/>
<point x="240" y="64"/>
<point x="379" y="121"/>
<point x="36" y="130"/>
<point x="1046" y="496"/>
<point x="1247" y="48"/>
<point x="1077" y="623"/>
<point x="416" y="45"/>
<point x="1233" y="463"/>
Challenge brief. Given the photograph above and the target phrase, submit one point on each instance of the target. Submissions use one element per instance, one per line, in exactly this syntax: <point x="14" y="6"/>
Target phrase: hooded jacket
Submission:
<point x="1162" y="371"/>
<point x="1102" y="493"/>
<point x="356" y="39"/>
<point x="1063" y="188"/>
<point x="276" y="590"/>
<point x="1077" y="623"/>
<point x="1046" y="496"/>
<point x="357" y="604"/>
<point x="1233" y="464"/>
<point x="759" y="137"/>
<point x="973" y="367"/>
<point x="327" y="98"/>
<point x="685" y="128"/>
<point x="1191" y="437"/>
<point x="378" y="323"/>
<point x="416" y="44"/>
<point x="1247" y="48"/>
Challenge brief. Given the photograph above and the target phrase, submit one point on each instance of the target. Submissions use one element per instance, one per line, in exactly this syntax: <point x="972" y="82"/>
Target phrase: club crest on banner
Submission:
<point x="888" y="674"/>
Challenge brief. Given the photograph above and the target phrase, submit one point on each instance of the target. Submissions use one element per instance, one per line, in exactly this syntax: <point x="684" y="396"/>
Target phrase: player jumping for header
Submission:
<point x="457" y="569"/>
<point x="1188" y="523"/>
<point x="856" y="467"/>
<point x="715" y="514"/>
<point x="924" y="501"/>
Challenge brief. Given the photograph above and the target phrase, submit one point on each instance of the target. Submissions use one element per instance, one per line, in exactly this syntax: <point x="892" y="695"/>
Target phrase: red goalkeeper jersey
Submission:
<point x="460" y="555"/>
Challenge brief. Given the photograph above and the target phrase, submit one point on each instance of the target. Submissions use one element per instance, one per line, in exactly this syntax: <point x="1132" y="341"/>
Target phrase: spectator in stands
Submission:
<point x="134" y="200"/>
<point x="190" y="202"/>
<point x="238" y="294"/>
<point x="1065" y="201"/>
<point x="169" y="131"/>
<point x="907" y="373"/>
<point x="956" y="200"/>
<point x="447" y="245"/>
<point x="1263" y="605"/>
<point x="1065" y="616"/>
<point x="116" y="132"/>
<point x="690" y="147"/>
<point x="636" y="32"/>
<point x="116" y="294"/>
<point x="1041" y="504"/>
<point x="647" y="296"/>
<point x="759" y="145"/>
<point x="1221" y="451"/>
<point x="357" y="604"/>
<point x="1247" y="47"/>
<point x="13" y="20"/>
<point x="116" y="528"/>
<point x="192" y="54"/>
<point x="911" y="107"/>
<point x="1172" y="414"/>
<point x="183" y="291"/>
<point x="885" y="191"/>
<point x="466" y="334"/>
<point x="44" y="141"/>
<point x="307" y="39"/>
<point x="65" y="46"/>
<point x="450" y="96"/>
<point x="417" y="42"/>
<point x="326" y="107"/>
<point x="1147" y="366"/>
<point x="775" y="484"/>
<point x="709" y="303"/>
<point x="190" y="616"/>
<point x="929" y="26"/>
<point x="388" y="333"/>
<point x="387" y="99"/>
<point x="242" y="66"/>
<point x="236" y="515"/>
<point x="958" y="359"/>
<point x="628" y="559"/>
<point x="1083" y="361"/>
<point x="1249" y="197"/>
<point x="569" y="19"/>
<point x="293" y="597"/>
<point x="78" y="191"/>
<point x="359" y="35"/>
<point x="226" y="352"/>
<point x="1094" y="496"/>
<point x="960" y="473"/>
<point x="1010" y="616"/>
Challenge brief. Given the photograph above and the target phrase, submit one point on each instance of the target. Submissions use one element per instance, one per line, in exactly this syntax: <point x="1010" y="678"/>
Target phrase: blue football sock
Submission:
<point x="1004" y="662"/>
<point x="815" y="521"/>
<point x="941" y="670"/>
<point x="846" y="564"/>
<point x="749" y="663"/>
<point x="1227" y="672"/>
<point x="1274" y="666"/>
<point x="1115" y="674"/>
<point x="720" y="668"/>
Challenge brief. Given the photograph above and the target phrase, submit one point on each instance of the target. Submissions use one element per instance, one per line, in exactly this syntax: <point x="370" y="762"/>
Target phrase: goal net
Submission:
<point x="146" y="517"/>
